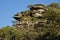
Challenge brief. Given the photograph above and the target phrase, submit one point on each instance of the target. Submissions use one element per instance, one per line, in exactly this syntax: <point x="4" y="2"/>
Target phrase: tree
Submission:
<point x="54" y="5"/>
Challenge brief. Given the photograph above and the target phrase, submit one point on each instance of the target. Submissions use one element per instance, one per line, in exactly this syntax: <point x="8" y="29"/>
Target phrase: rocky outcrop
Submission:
<point x="30" y="17"/>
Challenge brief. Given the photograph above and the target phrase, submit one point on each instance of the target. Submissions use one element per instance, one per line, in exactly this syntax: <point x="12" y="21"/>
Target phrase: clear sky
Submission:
<point x="10" y="7"/>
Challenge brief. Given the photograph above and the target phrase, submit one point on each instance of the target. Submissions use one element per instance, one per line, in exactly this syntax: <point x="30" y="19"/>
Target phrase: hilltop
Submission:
<point x="39" y="22"/>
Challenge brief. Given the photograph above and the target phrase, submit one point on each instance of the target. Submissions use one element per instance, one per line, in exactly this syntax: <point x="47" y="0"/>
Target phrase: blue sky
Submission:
<point x="10" y="7"/>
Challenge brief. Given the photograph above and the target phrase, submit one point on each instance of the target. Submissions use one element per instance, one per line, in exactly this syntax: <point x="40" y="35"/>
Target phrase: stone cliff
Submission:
<point x="32" y="17"/>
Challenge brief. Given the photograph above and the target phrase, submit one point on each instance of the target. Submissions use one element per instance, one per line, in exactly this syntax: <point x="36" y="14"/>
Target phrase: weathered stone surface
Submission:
<point x="31" y="17"/>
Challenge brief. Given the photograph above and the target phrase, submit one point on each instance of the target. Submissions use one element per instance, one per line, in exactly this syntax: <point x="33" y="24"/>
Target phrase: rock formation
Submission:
<point x="31" y="17"/>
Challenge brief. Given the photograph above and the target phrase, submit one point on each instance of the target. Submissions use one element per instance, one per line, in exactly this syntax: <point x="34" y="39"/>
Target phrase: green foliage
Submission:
<point x="10" y="33"/>
<point x="54" y="5"/>
<point x="41" y="31"/>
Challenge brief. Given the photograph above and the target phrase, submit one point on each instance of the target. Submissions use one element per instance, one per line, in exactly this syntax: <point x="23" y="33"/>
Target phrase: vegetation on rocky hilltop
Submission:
<point x="40" y="22"/>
